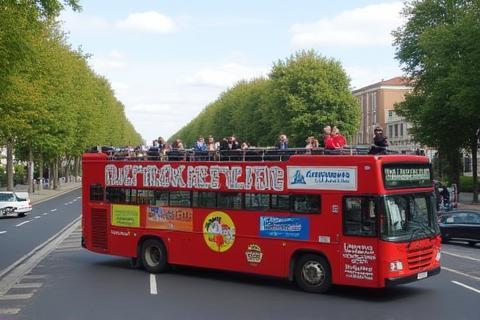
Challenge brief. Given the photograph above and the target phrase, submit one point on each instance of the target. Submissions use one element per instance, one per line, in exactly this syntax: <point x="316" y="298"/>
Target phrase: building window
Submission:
<point x="390" y="131"/>
<point x="396" y="130"/>
<point x="401" y="129"/>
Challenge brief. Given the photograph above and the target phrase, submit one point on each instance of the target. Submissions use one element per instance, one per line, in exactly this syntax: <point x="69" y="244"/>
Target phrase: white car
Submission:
<point x="14" y="204"/>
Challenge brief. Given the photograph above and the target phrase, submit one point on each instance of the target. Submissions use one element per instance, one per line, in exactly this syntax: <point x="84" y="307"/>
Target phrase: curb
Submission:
<point x="56" y="195"/>
<point x="10" y="275"/>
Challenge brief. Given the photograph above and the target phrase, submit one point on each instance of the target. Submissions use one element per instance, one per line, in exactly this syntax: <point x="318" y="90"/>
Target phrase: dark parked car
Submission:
<point x="460" y="225"/>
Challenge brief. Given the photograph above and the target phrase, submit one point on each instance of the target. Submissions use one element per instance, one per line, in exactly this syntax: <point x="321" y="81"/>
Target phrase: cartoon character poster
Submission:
<point x="219" y="231"/>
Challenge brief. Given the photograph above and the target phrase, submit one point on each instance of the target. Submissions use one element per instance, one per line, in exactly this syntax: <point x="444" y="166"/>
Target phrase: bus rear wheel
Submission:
<point x="313" y="273"/>
<point x="154" y="256"/>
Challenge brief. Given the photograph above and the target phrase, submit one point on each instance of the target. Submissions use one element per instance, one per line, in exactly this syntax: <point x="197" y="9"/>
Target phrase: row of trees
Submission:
<point x="300" y="96"/>
<point x="52" y="105"/>
<point x="439" y="48"/>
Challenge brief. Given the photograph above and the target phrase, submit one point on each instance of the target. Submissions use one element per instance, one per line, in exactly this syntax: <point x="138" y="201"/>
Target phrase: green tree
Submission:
<point x="438" y="48"/>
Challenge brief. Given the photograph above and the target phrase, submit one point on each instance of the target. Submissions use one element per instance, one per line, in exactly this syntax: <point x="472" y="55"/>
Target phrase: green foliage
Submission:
<point x="466" y="184"/>
<point x="51" y="102"/>
<point x="301" y="95"/>
<point x="438" y="48"/>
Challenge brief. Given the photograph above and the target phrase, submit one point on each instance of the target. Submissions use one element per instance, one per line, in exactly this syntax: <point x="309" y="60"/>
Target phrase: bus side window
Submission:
<point x="96" y="192"/>
<point x="359" y="216"/>
<point x="306" y="203"/>
<point x="161" y="198"/>
<point x="257" y="201"/>
<point x="116" y="195"/>
<point x="229" y="200"/>
<point x="180" y="199"/>
<point x="280" y="202"/>
<point x="204" y="199"/>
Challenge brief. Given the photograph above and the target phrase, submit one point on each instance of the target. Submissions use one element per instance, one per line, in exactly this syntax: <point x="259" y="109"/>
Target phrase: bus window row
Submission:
<point x="207" y="199"/>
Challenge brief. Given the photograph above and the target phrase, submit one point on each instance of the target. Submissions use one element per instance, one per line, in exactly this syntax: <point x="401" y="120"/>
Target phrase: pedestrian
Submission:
<point x="380" y="142"/>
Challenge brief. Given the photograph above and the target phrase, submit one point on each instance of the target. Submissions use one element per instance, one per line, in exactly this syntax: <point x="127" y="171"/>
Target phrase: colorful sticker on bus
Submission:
<point x="170" y="218"/>
<point x="254" y="254"/>
<point x="285" y="227"/>
<point x="219" y="231"/>
<point x="322" y="178"/>
<point x="125" y="216"/>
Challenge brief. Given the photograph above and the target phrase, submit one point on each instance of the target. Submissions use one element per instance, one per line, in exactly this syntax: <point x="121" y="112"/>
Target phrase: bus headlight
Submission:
<point x="396" y="266"/>
<point x="438" y="256"/>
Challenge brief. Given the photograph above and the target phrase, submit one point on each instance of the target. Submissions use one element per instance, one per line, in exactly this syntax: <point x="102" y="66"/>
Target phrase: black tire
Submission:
<point x="154" y="256"/>
<point x="472" y="243"/>
<point x="313" y="273"/>
<point x="20" y="214"/>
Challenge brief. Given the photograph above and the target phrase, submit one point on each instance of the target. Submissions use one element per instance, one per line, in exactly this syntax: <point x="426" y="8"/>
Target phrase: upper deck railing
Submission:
<point x="251" y="154"/>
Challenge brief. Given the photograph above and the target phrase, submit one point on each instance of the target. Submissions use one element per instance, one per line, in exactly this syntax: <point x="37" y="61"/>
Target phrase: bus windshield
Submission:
<point x="409" y="216"/>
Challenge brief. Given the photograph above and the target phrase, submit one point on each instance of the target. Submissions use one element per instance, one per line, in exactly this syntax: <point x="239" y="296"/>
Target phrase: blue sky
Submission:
<point x="166" y="60"/>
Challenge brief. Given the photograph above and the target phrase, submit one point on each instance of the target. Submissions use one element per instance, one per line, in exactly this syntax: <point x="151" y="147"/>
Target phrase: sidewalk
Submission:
<point x="45" y="194"/>
<point x="465" y="201"/>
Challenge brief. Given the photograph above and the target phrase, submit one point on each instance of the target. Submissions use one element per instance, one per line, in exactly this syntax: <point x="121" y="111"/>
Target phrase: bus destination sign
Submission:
<point x="404" y="176"/>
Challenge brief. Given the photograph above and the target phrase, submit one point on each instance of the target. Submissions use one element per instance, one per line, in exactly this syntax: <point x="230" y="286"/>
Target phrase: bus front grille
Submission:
<point x="419" y="258"/>
<point x="99" y="229"/>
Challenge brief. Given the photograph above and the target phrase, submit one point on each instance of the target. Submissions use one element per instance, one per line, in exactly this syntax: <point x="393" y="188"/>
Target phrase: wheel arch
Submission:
<point x="297" y="254"/>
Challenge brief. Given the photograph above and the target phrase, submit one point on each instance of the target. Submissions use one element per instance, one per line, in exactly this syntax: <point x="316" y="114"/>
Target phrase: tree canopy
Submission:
<point x="301" y="95"/>
<point x="438" y="49"/>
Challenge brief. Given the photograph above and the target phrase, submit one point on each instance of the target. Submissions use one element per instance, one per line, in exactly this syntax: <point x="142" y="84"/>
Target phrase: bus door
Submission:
<point x="358" y="241"/>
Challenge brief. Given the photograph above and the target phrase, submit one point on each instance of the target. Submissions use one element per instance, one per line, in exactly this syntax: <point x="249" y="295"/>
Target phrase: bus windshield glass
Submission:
<point x="409" y="217"/>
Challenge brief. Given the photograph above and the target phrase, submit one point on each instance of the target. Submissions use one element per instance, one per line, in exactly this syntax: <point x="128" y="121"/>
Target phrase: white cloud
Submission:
<point x="113" y="61"/>
<point x="151" y="109"/>
<point x="149" y="21"/>
<point x="368" y="26"/>
<point x="225" y="75"/>
<point x="79" y="24"/>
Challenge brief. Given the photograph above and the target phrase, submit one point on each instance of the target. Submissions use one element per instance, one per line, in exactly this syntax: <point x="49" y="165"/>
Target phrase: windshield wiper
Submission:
<point x="431" y="232"/>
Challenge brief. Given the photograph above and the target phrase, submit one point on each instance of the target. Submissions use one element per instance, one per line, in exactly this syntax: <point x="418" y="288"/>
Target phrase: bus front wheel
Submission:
<point x="313" y="273"/>
<point x="154" y="256"/>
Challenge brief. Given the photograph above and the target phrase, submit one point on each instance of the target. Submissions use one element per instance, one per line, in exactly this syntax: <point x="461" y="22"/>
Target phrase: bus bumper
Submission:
<point x="389" y="282"/>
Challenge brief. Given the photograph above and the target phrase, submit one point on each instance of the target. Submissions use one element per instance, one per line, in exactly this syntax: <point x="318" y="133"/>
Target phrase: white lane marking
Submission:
<point x="153" y="284"/>
<point x="35" y="276"/>
<point x="465" y="286"/>
<point x="23" y="296"/>
<point x="461" y="273"/>
<point x="53" y="210"/>
<point x="37" y="217"/>
<point x="2" y="232"/>
<point x="28" y="285"/>
<point x="21" y="224"/>
<point x="9" y="311"/>
<point x="460" y="256"/>
<point x="45" y="213"/>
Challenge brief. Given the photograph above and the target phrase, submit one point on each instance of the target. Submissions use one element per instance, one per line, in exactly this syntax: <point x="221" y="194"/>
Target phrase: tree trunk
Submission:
<point x="30" y="171"/>
<point x="55" y="174"/>
<point x="50" y="178"/>
<point x="475" y="170"/>
<point x="10" y="165"/>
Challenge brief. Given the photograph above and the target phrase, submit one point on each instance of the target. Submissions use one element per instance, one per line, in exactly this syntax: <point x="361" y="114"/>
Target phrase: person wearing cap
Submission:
<point x="380" y="142"/>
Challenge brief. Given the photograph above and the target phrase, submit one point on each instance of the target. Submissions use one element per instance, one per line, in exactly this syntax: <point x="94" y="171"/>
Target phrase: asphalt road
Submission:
<point x="18" y="236"/>
<point x="72" y="283"/>
<point x="77" y="284"/>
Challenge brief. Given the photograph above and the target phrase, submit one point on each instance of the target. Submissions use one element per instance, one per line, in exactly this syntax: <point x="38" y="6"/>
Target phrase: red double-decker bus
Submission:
<point x="358" y="220"/>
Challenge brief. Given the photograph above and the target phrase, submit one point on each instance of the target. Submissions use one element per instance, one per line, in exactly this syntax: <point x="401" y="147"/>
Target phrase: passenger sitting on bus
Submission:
<point x="283" y="142"/>
<point x="233" y="143"/>
<point x="380" y="142"/>
<point x="200" y="145"/>
<point x="178" y="145"/>
<point x="211" y="146"/>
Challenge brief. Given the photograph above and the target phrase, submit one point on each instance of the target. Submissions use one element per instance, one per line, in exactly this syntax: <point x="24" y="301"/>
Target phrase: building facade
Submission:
<point x="376" y="102"/>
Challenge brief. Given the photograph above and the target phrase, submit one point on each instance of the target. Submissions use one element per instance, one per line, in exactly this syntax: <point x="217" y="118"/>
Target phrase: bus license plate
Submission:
<point x="422" y="275"/>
